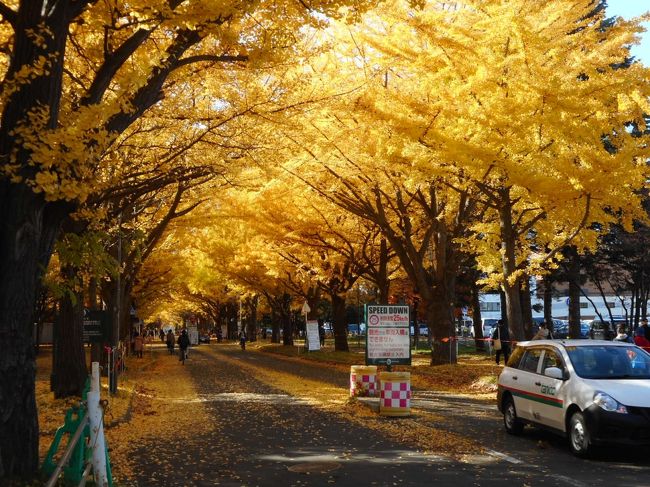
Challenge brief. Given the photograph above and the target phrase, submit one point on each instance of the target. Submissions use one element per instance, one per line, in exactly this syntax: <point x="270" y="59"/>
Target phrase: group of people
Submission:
<point x="641" y="335"/>
<point x="501" y="337"/>
<point x="183" y="344"/>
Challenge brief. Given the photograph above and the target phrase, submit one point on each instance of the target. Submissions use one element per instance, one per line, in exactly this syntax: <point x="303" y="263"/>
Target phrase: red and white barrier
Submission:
<point x="363" y="381"/>
<point x="395" y="393"/>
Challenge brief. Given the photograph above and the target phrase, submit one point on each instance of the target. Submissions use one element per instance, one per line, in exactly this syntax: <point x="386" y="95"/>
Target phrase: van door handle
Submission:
<point x="538" y="383"/>
<point x="514" y="377"/>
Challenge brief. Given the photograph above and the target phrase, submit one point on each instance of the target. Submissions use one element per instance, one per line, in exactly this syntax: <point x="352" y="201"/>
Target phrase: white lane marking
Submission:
<point x="376" y="457"/>
<point x="562" y="478"/>
<point x="505" y="457"/>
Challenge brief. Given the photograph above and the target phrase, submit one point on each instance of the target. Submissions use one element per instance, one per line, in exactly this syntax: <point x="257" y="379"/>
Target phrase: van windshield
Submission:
<point x="610" y="362"/>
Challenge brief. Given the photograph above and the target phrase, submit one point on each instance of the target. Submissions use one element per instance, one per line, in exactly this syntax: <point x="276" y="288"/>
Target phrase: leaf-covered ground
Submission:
<point x="159" y="405"/>
<point x="474" y="374"/>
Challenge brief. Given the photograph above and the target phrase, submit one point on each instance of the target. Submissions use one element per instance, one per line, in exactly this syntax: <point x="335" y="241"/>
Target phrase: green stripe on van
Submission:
<point x="549" y="401"/>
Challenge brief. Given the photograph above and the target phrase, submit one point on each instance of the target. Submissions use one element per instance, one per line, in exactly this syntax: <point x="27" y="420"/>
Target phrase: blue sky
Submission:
<point x="628" y="9"/>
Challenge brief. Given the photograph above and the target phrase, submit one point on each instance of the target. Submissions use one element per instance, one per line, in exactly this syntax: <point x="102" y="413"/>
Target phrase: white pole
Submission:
<point x="307" y="347"/>
<point x="97" y="442"/>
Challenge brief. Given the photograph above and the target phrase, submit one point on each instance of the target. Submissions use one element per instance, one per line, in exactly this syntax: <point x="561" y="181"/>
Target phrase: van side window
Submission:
<point x="515" y="357"/>
<point x="552" y="359"/>
<point x="531" y="360"/>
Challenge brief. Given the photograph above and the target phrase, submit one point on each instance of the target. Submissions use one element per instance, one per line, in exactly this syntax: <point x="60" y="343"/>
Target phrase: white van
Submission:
<point x="591" y="391"/>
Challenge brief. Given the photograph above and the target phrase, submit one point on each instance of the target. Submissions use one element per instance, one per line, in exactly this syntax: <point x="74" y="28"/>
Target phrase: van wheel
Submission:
<point x="510" y="420"/>
<point x="579" y="439"/>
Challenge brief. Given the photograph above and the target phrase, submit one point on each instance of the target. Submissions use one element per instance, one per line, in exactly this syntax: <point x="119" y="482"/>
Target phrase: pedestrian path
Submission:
<point x="240" y="418"/>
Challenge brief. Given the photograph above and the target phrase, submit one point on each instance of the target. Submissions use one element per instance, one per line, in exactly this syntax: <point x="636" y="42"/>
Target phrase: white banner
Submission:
<point x="313" y="338"/>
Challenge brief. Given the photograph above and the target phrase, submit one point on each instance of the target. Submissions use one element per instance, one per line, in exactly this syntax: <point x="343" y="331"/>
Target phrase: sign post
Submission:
<point x="387" y="335"/>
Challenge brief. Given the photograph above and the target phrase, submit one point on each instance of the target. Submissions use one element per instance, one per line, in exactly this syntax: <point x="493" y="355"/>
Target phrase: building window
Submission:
<point x="584" y="305"/>
<point x="491" y="306"/>
<point x="611" y="304"/>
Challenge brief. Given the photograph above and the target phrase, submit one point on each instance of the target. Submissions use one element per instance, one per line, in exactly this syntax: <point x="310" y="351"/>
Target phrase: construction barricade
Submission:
<point x="395" y="393"/>
<point x="363" y="381"/>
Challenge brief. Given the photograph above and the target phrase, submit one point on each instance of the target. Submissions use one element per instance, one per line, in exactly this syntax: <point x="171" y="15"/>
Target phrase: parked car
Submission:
<point x="561" y="330"/>
<point x="204" y="338"/>
<point x="355" y="329"/>
<point x="591" y="391"/>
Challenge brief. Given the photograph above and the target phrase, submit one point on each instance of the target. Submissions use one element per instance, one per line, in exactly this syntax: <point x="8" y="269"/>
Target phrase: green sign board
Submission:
<point x="388" y="341"/>
<point x="97" y="327"/>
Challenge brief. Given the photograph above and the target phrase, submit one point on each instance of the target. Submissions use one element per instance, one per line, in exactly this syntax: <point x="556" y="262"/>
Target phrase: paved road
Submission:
<point x="266" y="438"/>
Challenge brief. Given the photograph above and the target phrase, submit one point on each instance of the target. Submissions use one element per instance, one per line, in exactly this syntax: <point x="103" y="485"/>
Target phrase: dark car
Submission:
<point x="561" y="330"/>
<point x="205" y="338"/>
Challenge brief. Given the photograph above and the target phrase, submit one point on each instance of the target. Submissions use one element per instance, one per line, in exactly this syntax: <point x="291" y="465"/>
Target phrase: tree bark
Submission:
<point x="548" y="299"/>
<point x="27" y="235"/>
<point x="383" y="281"/>
<point x="441" y="328"/>
<point x="526" y="309"/>
<point x="511" y="284"/>
<point x="573" y="276"/>
<point x="251" y="329"/>
<point x="339" y="323"/>
<point x="69" y="370"/>
<point x="285" y="313"/>
<point x="476" y="318"/>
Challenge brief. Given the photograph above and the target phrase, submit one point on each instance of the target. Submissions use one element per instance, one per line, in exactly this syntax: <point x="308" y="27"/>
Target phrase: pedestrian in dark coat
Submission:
<point x="183" y="343"/>
<point x="502" y="334"/>
<point x="138" y="345"/>
<point x="171" y="339"/>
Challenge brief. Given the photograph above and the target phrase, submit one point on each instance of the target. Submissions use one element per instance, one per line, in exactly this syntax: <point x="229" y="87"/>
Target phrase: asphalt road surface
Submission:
<point x="267" y="438"/>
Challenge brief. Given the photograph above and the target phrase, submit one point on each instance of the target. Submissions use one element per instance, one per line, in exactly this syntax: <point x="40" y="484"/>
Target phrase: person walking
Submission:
<point x="242" y="339"/>
<point x="183" y="343"/>
<point x="170" y="342"/>
<point x="501" y="342"/>
<point x="138" y="345"/>
<point x="646" y="329"/>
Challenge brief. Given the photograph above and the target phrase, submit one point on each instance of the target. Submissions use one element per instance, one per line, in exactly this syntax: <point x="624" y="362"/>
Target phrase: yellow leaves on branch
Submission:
<point x="59" y="156"/>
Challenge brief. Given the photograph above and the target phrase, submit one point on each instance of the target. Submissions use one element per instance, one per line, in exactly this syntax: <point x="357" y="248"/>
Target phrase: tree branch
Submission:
<point x="112" y="64"/>
<point x="9" y="15"/>
<point x="211" y="58"/>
